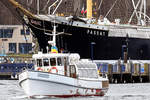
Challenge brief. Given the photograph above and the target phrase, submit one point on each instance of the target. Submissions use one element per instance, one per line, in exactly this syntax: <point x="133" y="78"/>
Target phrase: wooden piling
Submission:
<point x="149" y="72"/>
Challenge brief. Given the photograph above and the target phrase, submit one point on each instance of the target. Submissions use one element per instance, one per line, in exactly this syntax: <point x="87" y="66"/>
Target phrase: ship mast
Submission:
<point x="89" y="8"/>
<point x="17" y="5"/>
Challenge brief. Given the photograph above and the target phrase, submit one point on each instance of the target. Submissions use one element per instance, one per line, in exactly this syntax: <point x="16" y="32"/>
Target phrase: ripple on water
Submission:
<point x="11" y="91"/>
<point x="2" y="84"/>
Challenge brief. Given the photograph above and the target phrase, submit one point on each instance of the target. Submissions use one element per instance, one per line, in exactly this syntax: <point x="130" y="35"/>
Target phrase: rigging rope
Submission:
<point x="111" y="8"/>
<point x="46" y="5"/>
<point x="100" y="4"/>
<point x="100" y="7"/>
<point x="39" y="28"/>
<point x="29" y="3"/>
<point x="11" y="9"/>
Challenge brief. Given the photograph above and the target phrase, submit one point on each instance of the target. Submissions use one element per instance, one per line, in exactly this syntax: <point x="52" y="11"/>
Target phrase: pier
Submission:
<point x="11" y="66"/>
<point x="134" y="71"/>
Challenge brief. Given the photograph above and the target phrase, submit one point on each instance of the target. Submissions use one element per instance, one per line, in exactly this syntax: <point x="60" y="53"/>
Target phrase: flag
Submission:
<point x="54" y="49"/>
<point x="82" y="10"/>
<point x="85" y="11"/>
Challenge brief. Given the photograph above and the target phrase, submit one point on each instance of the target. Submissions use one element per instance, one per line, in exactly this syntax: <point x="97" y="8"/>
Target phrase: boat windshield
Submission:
<point x="50" y="62"/>
<point x="46" y="62"/>
<point x="59" y="62"/>
<point x="87" y="70"/>
<point x="53" y="61"/>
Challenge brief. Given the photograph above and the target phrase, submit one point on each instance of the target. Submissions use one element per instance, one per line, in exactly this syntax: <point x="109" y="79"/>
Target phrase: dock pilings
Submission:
<point x="134" y="71"/>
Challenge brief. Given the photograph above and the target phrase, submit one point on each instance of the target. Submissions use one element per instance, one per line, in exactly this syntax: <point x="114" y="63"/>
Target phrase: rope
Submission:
<point x="100" y="7"/>
<point x="46" y="5"/>
<point x="100" y="4"/>
<point x="29" y="3"/>
<point x="111" y="8"/>
<point x="39" y="28"/>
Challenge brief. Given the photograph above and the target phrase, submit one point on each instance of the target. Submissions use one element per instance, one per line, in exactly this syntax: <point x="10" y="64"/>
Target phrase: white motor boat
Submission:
<point x="62" y="75"/>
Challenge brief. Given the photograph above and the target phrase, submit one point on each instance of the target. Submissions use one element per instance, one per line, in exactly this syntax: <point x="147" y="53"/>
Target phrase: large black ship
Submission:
<point x="103" y="40"/>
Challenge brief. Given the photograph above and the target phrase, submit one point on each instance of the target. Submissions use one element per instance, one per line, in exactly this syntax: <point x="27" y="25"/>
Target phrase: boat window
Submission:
<point x="34" y="62"/>
<point x="53" y="61"/>
<point x="72" y="71"/>
<point x="66" y="61"/>
<point x="46" y="62"/>
<point x="59" y="62"/>
<point x="39" y="62"/>
<point x="62" y="59"/>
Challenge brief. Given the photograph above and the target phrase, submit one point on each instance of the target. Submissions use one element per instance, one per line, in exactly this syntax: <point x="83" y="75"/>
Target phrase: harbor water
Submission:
<point x="10" y="90"/>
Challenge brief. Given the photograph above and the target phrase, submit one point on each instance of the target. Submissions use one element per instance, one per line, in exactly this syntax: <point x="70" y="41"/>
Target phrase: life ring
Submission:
<point x="40" y="69"/>
<point x="53" y="68"/>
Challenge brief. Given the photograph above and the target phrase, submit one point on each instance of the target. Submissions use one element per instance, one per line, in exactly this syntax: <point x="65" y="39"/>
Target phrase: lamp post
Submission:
<point x="92" y="47"/>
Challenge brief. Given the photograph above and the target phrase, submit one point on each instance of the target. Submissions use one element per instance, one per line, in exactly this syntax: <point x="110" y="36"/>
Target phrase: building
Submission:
<point x="14" y="39"/>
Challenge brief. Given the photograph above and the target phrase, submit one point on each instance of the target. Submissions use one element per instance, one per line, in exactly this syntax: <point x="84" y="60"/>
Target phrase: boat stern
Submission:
<point x="105" y="86"/>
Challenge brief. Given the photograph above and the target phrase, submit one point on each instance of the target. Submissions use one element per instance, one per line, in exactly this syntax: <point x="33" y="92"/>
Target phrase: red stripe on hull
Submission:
<point x="68" y="96"/>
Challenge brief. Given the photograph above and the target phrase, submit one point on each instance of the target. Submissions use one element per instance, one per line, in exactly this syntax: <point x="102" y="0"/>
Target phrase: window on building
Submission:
<point x="25" y="48"/>
<point x="1" y="33"/>
<point x="25" y="32"/>
<point x="6" y="33"/>
<point x="12" y="47"/>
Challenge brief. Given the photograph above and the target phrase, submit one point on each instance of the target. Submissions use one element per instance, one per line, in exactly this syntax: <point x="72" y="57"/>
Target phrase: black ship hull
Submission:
<point x="81" y="41"/>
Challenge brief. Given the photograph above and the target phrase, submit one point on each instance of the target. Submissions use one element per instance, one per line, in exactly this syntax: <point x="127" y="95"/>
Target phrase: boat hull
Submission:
<point x="51" y="85"/>
<point x="106" y="47"/>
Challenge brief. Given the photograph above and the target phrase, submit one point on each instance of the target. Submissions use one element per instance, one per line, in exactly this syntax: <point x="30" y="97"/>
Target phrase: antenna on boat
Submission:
<point x="54" y="34"/>
<point x="53" y="42"/>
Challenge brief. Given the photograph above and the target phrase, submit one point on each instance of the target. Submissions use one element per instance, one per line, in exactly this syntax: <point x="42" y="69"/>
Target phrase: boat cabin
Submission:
<point x="53" y="63"/>
<point x="65" y="64"/>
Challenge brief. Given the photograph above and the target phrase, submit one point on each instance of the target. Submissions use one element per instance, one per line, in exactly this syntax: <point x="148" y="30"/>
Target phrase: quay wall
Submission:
<point x="131" y="72"/>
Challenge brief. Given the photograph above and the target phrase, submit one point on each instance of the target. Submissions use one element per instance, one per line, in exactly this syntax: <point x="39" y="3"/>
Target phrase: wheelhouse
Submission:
<point x="65" y="64"/>
<point x="53" y="63"/>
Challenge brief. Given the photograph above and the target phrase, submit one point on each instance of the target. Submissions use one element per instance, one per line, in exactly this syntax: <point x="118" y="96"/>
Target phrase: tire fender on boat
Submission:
<point x="53" y="68"/>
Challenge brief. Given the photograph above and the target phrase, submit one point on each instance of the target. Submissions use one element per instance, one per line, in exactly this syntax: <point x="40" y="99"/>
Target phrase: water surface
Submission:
<point x="10" y="90"/>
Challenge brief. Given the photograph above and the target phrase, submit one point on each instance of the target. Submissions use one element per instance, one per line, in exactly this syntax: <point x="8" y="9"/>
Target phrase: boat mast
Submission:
<point x="54" y="49"/>
<point x="54" y="35"/>
<point x="53" y="42"/>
